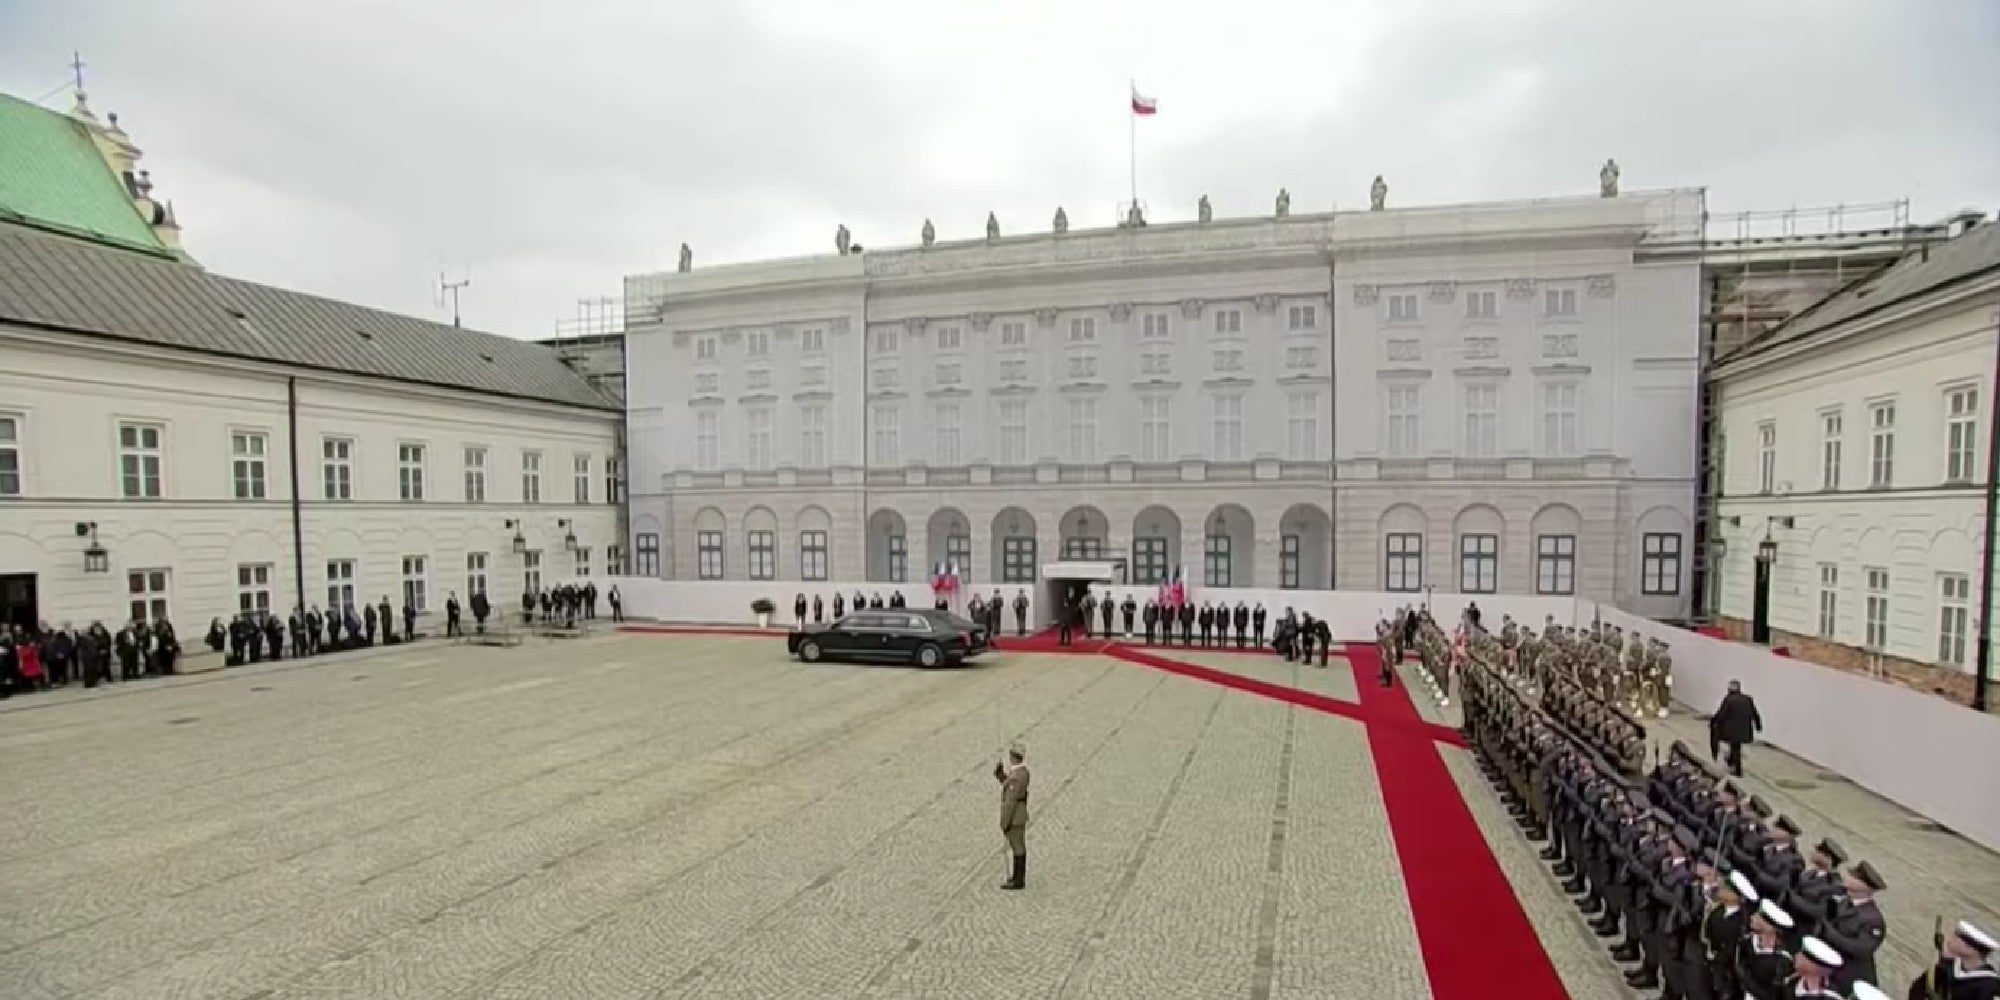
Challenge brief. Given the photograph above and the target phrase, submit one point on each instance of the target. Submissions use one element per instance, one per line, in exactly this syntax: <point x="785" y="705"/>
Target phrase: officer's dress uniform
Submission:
<point x="1013" y="779"/>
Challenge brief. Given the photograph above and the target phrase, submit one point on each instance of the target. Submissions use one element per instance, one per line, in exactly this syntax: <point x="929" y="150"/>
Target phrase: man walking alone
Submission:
<point x="1013" y="779"/>
<point x="1734" y="723"/>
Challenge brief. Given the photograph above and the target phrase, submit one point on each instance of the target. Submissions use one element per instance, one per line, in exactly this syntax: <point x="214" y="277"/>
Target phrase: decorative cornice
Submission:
<point x="1016" y="389"/>
<point x="1191" y="308"/>
<point x="1046" y="317"/>
<point x="756" y="398"/>
<point x="1155" y="385"/>
<point x="704" y="401"/>
<point x="813" y="396"/>
<point x="1229" y="382"/>
<point x="1121" y="311"/>
<point x="948" y="390"/>
<point x="1304" y="379"/>
<point x="914" y="326"/>
<point x="1081" y="388"/>
<point x="1266" y="303"/>
<point x="888" y="395"/>
<point x="1402" y="374"/>
<point x="1561" y="369"/>
<point x="1366" y="295"/>
<point x="1443" y="291"/>
<point x="1520" y="288"/>
<point x="1482" y="371"/>
<point x="980" y="321"/>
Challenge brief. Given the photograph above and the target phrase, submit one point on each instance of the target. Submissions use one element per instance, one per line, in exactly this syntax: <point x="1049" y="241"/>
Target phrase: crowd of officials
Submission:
<point x="1693" y="882"/>
<point x="45" y="657"/>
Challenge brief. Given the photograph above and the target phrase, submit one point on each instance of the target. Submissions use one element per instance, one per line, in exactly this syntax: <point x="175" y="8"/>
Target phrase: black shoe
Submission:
<point x="1574" y="886"/>
<point x="1642" y="979"/>
<point x="1627" y="952"/>
<point x="1537" y="836"/>
<point x="1552" y="854"/>
<point x="1590" y="907"/>
<point x="1564" y="869"/>
<point x="1020" y="877"/>
<point x="1605" y="928"/>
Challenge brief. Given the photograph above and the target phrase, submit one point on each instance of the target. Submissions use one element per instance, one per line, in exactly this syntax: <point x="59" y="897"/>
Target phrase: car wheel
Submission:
<point x="929" y="656"/>
<point x="809" y="651"/>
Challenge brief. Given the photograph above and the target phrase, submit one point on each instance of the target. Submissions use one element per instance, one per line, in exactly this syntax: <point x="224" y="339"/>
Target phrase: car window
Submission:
<point x="918" y="623"/>
<point x="855" y="623"/>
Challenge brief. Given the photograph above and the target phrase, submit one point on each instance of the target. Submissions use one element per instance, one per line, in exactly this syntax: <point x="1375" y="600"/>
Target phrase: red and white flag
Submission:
<point x="1142" y="105"/>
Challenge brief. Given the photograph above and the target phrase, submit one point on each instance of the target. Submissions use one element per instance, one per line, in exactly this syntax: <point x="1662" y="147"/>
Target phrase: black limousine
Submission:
<point x="921" y="636"/>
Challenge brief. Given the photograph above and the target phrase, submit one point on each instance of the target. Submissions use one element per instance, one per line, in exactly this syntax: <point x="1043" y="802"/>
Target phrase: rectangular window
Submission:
<point x="757" y="438"/>
<point x="707" y="441"/>
<point x="10" y="456"/>
<point x="1013" y="335"/>
<point x="1229" y="361"/>
<point x="708" y="555"/>
<point x="1149" y="560"/>
<point x="140" y="448"/>
<point x="148" y="593"/>
<point x="475" y="573"/>
<point x="1302" y="318"/>
<point x="531" y="477"/>
<point x="757" y="343"/>
<point x="1217" y="561"/>
<point x="1082" y="366"/>
<point x="1400" y="431"/>
<point x="1302" y="357"/>
<point x="707" y="383"/>
<point x="1017" y="560"/>
<point x="1829" y="599"/>
<point x="531" y="572"/>
<point x="1402" y="309"/>
<point x="1082" y="430"/>
<point x="1302" y="426"/>
<point x="1013" y="371"/>
<point x="946" y="425"/>
<point x="340" y="584"/>
<point x="885" y="341"/>
<point x="1228" y="428"/>
<point x="1482" y="421"/>
<point x="812" y="436"/>
<point x="646" y="554"/>
<point x="1559" y="302"/>
<point x="812" y="555"/>
<point x="1954" y="617"/>
<point x="614" y="560"/>
<point x="885" y="378"/>
<point x="1555" y="564"/>
<point x="410" y="471"/>
<point x="1228" y="321"/>
<point x="246" y="465"/>
<point x="614" y="482"/>
<point x="1154" y="326"/>
<point x="1403" y="562"/>
<point x="899" y="559"/>
<point x="1876" y="609"/>
<point x="1660" y="563"/>
<point x="1829" y="450"/>
<point x="757" y="378"/>
<point x="583" y="561"/>
<point x="704" y="348"/>
<point x="337" y="468"/>
<point x="1288" y="562"/>
<point x="253" y="588"/>
<point x="1479" y="564"/>
<point x="475" y="475"/>
<point x="1078" y="548"/>
<point x="888" y="436"/>
<point x="1155" y="428"/>
<point x="950" y="338"/>
<point x="1082" y="330"/>
<point x="1559" y="419"/>
<point x="1961" y="436"/>
<point x="763" y="554"/>
<point x="415" y="573"/>
<point x="1882" y="445"/>
<point x="812" y="340"/>
<point x="1481" y="305"/>
<point x="581" y="474"/>
<point x="1767" y="457"/>
<point x="1014" y="432"/>
<point x="958" y="550"/>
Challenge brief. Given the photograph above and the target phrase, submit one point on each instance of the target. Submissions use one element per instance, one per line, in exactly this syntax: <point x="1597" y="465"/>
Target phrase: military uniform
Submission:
<point x="1964" y="969"/>
<point x="1013" y="778"/>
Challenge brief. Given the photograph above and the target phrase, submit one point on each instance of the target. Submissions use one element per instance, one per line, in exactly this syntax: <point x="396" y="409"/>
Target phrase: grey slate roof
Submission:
<point x="71" y="285"/>
<point x="1973" y="253"/>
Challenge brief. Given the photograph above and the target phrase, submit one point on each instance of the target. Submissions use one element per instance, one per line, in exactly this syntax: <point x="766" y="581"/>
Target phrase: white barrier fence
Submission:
<point x="1916" y="749"/>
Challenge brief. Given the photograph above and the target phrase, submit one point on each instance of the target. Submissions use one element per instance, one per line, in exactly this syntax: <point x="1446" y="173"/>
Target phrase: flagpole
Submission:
<point x="1132" y="123"/>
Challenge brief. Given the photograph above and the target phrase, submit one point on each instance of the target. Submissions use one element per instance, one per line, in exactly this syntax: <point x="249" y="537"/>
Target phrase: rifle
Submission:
<point x="1937" y="958"/>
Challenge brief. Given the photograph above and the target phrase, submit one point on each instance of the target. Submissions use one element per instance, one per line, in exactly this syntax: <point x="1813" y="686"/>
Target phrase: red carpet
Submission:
<point x="1476" y="940"/>
<point x="1415" y="729"/>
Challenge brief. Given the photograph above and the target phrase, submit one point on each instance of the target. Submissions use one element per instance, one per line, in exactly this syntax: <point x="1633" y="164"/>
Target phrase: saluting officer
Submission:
<point x="1013" y="778"/>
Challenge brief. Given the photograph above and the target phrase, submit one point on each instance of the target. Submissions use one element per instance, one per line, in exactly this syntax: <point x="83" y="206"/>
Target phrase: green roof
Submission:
<point x="52" y="177"/>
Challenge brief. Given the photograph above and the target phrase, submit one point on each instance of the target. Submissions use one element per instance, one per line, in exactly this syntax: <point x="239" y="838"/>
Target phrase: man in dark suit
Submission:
<point x="1735" y="723"/>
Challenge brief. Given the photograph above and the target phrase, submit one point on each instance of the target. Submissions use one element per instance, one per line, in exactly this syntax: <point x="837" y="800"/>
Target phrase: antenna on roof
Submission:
<point x="447" y="287"/>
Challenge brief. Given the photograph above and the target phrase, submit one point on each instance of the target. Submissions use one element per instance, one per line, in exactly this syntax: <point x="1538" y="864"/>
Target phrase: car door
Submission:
<point x="838" y="639"/>
<point x="904" y="634"/>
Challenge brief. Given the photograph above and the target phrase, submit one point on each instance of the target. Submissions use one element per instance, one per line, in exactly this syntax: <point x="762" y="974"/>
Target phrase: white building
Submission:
<point x="178" y="444"/>
<point x="1855" y="460"/>
<point x="1488" y="397"/>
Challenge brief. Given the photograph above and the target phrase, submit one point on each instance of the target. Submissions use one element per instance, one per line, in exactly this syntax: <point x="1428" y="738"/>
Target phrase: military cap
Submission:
<point x="1686" y="838"/>
<point x="1819" y="953"/>
<point x="1775" y="915"/>
<point x="1866" y="874"/>
<point x="1758" y="807"/>
<point x="1831" y="849"/>
<point x="1866" y="991"/>
<point x="1744" y="890"/>
<point x="1786" y="824"/>
<point x="1976" y="939"/>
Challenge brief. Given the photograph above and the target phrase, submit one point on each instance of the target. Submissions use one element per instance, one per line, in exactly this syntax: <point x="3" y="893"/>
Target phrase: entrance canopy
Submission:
<point x="1089" y="572"/>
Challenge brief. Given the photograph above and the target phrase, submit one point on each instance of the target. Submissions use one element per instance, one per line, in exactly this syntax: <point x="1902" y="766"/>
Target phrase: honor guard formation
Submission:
<point x="1706" y="894"/>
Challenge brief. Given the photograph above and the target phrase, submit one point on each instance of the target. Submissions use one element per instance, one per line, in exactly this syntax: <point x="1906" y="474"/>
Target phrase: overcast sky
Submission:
<point x="349" y="148"/>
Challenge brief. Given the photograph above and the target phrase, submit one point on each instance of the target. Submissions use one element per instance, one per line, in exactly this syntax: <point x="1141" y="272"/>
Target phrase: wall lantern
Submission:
<point x="1767" y="551"/>
<point x="569" y="538"/>
<point x="520" y="540"/>
<point x="95" y="558"/>
<point x="1719" y="546"/>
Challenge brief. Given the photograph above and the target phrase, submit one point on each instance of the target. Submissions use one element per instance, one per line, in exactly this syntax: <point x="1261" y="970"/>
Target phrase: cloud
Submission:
<point x="348" y="149"/>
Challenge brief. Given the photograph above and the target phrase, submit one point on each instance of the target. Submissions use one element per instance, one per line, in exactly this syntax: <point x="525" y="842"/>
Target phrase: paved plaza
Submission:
<point x="639" y="817"/>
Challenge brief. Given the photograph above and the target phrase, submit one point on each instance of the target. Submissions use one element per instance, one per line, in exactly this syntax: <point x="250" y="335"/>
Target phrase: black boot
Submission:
<point x="1574" y="886"/>
<point x="1552" y="854"/>
<point x="1627" y="952"/>
<point x="1563" y="869"/>
<point x="1590" y="906"/>
<point x="1605" y="926"/>
<point x="1642" y="978"/>
<point x="1020" y="878"/>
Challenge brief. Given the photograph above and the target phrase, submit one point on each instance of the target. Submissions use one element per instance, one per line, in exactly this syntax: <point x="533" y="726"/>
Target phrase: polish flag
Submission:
<point x="1144" y="105"/>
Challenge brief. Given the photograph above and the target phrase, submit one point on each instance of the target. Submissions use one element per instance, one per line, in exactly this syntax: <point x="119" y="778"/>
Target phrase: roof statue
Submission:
<point x="842" y="239"/>
<point x="930" y="233"/>
<point x="1607" y="180"/>
<point x="992" y="226"/>
<point x="1284" y="203"/>
<point x="1062" y="221"/>
<point x="1203" y="211"/>
<point x="687" y="260"/>
<point x="1135" y="216"/>
<point x="1378" y="194"/>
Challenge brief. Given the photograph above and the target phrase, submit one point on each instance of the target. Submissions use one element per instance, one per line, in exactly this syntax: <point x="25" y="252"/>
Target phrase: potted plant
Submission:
<point x="762" y="608"/>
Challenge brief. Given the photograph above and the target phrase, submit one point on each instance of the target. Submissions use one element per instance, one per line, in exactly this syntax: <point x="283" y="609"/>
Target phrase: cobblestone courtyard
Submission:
<point x="640" y="817"/>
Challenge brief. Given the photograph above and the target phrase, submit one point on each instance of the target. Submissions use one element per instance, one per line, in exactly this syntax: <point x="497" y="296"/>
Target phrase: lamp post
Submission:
<point x="569" y="538"/>
<point x="95" y="558"/>
<point x="520" y="540"/>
